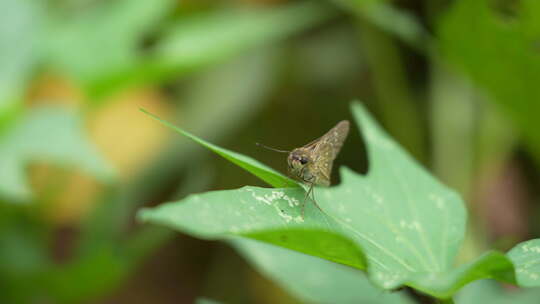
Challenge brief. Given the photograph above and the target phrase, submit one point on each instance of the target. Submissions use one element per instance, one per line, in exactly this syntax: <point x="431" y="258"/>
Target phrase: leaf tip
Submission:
<point x="144" y="215"/>
<point x="359" y="110"/>
<point x="357" y="105"/>
<point x="148" y="113"/>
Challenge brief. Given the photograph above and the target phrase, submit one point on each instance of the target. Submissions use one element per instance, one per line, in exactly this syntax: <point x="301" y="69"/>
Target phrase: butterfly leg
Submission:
<point x="305" y="198"/>
<point x="313" y="198"/>
<point x="310" y="190"/>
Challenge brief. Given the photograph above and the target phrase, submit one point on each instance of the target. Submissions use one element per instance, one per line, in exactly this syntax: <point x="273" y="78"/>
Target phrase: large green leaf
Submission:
<point x="311" y="279"/>
<point x="408" y="225"/>
<point x="47" y="134"/>
<point x="405" y="221"/>
<point x="264" y="214"/>
<point x="496" y="44"/>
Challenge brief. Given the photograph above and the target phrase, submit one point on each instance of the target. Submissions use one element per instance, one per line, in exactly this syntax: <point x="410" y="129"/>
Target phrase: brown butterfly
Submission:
<point x="312" y="163"/>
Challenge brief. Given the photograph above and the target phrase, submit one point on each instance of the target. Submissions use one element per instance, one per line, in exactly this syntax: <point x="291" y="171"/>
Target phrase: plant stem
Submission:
<point x="445" y="301"/>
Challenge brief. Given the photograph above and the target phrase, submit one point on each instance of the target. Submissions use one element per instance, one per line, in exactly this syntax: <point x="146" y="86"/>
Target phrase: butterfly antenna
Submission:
<point x="276" y="150"/>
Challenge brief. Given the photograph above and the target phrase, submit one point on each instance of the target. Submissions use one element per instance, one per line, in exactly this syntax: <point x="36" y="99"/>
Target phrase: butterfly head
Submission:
<point x="298" y="159"/>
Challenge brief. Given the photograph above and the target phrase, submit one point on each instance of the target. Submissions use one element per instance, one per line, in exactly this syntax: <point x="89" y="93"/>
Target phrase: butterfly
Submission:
<point x="312" y="163"/>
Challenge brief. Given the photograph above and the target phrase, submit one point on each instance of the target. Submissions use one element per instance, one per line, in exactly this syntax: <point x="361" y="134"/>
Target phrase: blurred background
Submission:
<point x="454" y="82"/>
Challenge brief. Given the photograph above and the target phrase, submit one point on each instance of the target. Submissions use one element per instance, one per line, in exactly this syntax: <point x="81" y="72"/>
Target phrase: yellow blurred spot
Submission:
<point x="52" y="89"/>
<point x="64" y="194"/>
<point x="125" y="137"/>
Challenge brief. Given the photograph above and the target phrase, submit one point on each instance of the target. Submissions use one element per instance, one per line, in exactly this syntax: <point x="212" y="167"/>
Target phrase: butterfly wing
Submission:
<point x="325" y="150"/>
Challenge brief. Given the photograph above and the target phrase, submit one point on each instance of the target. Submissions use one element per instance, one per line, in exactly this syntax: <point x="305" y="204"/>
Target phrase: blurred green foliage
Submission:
<point x="57" y="136"/>
<point x="453" y="82"/>
<point x="496" y="43"/>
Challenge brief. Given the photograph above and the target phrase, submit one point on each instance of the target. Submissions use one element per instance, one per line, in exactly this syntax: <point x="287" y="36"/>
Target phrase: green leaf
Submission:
<point x="520" y="266"/>
<point x="258" y="169"/>
<point x="20" y="29"/>
<point x="475" y="35"/>
<point x="526" y="258"/>
<point x="205" y="39"/>
<point x="408" y="225"/>
<point x="486" y="291"/>
<point x="390" y="19"/>
<point x="46" y="134"/>
<point x="77" y="42"/>
<point x="196" y="42"/>
<point x="492" y="264"/>
<point x="311" y="279"/>
<point x="264" y="214"/>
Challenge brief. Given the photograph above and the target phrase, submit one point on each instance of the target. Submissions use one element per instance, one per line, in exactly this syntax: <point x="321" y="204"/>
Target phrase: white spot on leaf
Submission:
<point x="414" y="225"/>
<point x="439" y="201"/>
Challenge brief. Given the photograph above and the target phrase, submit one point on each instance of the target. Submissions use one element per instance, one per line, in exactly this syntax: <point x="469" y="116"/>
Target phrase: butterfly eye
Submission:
<point x="303" y="160"/>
